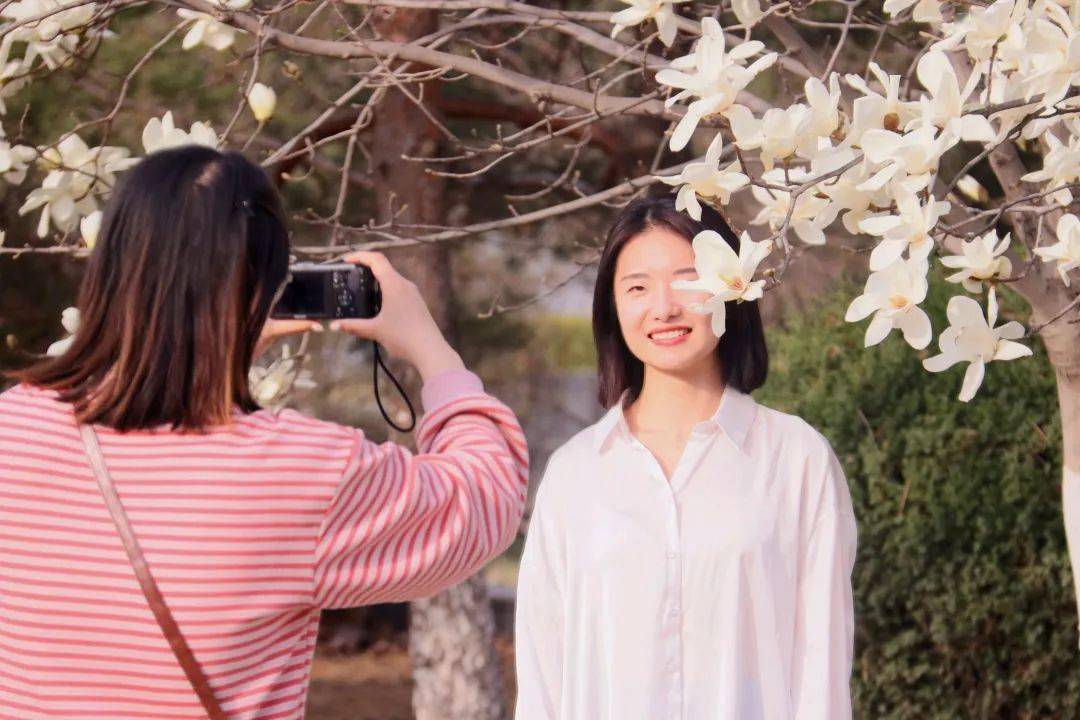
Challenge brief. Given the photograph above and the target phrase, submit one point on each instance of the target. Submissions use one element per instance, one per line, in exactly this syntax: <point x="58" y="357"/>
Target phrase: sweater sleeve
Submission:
<point x="405" y="525"/>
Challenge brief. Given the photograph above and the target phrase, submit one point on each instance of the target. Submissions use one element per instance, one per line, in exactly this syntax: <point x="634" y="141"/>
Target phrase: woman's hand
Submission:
<point x="404" y="325"/>
<point x="274" y="329"/>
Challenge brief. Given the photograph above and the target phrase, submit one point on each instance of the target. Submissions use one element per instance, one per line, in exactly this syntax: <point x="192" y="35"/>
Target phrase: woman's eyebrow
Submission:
<point x="635" y="276"/>
<point x="686" y="271"/>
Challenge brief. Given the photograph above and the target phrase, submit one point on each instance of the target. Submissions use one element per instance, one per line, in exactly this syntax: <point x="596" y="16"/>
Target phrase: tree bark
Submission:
<point x="1047" y="296"/>
<point x="451" y="635"/>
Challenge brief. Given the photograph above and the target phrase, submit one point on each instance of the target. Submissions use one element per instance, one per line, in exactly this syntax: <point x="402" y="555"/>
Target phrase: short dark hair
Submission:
<point x="743" y="356"/>
<point x="192" y="250"/>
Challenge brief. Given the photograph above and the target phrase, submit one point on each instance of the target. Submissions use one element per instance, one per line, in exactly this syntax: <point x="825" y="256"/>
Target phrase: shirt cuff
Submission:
<point x="447" y="386"/>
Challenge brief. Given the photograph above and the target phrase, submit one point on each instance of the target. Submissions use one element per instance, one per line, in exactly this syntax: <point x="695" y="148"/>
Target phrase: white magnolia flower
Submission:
<point x="262" y="100"/>
<point x="944" y="107"/>
<point x="749" y="12"/>
<point x="908" y="160"/>
<point x="794" y="130"/>
<point x="811" y="215"/>
<point x="844" y="190"/>
<point x="926" y="11"/>
<point x="874" y="111"/>
<point x="662" y="11"/>
<point x="53" y="38"/>
<point x="70" y="320"/>
<point x="727" y="276"/>
<point x="981" y="259"/>
<point x="77" y="176"/>
<point x="1051" y="53"/>
<point x="711" y="75"/>
<point x="893" y="296"/>
<point x="271" y="385"/>
<point x="1066" y="251"/>
<point x="706" y="180"/>
<point x="14" y="161"/>
<point x="908" y="229"/>
<point x="973" y="338"/>
<point x="89" y="227"/>
<point x="1061" y="166"/>
<point x="207" y="30"/>
<point x="162" y="133"/>
<point x="983" y="28"/>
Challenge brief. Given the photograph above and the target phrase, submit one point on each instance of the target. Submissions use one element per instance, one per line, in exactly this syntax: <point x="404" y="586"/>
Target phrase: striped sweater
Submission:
<point x="249" y="529"/>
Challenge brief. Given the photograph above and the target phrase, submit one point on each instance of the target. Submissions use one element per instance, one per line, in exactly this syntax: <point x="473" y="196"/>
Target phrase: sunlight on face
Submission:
<point x="655" y="320"/>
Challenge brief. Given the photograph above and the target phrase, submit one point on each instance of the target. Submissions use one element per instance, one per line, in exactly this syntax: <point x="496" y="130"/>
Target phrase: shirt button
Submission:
<point x="673" y="612"/>
<point x="672" y="555"/>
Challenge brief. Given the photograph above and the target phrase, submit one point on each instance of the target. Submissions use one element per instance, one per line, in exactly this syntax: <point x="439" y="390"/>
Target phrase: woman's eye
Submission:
<point x="635" y="288"/>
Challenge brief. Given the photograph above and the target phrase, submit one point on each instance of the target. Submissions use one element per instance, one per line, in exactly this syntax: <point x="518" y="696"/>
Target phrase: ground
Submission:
<point x="375" y="684"/>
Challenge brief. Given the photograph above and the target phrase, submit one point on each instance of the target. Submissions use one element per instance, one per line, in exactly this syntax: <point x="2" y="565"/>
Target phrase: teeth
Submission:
<point x="668" y="334"/>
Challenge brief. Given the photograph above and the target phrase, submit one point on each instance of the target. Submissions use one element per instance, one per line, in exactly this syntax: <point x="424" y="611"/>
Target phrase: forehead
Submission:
<point x="655" y="250"/>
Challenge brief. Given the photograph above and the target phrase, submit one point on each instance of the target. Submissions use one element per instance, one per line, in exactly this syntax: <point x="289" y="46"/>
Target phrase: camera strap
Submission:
<point x="401" y="391"/>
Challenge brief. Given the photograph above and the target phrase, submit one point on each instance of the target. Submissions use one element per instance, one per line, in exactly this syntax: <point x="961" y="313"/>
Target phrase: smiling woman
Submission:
<point x="692" y="549"/>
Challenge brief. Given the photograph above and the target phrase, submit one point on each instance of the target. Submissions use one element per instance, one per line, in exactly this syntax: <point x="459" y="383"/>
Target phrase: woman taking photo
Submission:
<point x="689" y="555"/>
<point x="165" y="545"/>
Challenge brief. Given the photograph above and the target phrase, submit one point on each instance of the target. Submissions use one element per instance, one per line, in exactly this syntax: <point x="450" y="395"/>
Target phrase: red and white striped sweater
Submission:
<point x="249" y="531"/>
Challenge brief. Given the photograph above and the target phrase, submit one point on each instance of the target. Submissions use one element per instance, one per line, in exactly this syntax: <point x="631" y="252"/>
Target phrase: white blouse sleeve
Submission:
<point x="538" y="623"/>
<point x="824" y="621"/>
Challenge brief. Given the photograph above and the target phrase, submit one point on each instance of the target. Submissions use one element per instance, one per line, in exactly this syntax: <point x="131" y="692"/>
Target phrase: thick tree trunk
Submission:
<point x="1048" y="296"/>
<point x="451" y="635"/>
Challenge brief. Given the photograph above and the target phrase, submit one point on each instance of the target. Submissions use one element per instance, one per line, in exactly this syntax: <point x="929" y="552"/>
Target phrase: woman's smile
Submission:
<point x="672" y="335"/>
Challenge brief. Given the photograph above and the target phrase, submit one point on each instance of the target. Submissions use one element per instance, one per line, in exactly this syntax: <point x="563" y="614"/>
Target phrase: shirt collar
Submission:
<point x="734" y="416"/>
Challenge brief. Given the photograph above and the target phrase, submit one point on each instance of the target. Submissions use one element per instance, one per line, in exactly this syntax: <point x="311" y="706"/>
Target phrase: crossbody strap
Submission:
<point x="161" y="611"/>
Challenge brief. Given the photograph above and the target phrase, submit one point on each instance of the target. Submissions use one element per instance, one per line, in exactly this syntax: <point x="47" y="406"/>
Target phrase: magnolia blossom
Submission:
<point x="981" y="259"/>
<point x="907" y="160"/>
<point x="70" y="320"/>
<point x="893" y="296"/>
<point x="943" y="107"/>
<point x="926" y="11"/>
<point x="207" y="30"/>
<point x="811" y="215"/>
<point x="982" y="29"/>
<point x="707" y="180"/>
<point x="711" y="75"/>
<point x="909" y="229"/>
<point x="53" y="38"/>
<point x="874" y="111"/>
<point x="262" y="100"/>
<point x="843" y="190"/>
<point x="1066" y="251"/>
<point x="271" y="385"/>
<point x="749" y="12"/>
<point x="77" y="175"/>
<point x="14" y="161"/>
<point x="89" y="227"/>
<point x="662" y="11"/>
<point x="973" y="339"/>
<point x="726" y="276"/>
<point x="1061" y="165"/>
<point x="796" y="129"/>
<point x="162" y="133"/>
<point x="1051" y="61"/>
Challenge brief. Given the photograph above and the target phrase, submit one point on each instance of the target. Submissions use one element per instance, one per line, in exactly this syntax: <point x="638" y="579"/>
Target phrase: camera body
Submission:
<point x="326" y="291"/>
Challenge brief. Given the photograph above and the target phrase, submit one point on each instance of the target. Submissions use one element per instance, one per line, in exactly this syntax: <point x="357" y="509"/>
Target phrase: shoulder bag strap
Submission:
<point x="161" y="611"/>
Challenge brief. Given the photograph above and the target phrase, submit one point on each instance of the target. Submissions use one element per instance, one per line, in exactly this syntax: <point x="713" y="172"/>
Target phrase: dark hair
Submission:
<point x="191" y="253"/>
<point x="743" y="357"/>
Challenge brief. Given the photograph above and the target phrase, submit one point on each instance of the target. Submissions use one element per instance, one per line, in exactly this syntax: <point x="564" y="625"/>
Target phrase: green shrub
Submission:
<point x="963" y="592"/>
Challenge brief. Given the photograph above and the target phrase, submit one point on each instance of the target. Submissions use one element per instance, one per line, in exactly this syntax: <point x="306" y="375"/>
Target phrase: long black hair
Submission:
<point x="743" y="356"/>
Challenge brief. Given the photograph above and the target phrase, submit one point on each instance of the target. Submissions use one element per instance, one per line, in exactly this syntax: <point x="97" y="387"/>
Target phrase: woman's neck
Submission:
<point x="675" y="402"/>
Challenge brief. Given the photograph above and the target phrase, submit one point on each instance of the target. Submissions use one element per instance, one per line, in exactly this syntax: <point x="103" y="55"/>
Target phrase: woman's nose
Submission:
<point x="667" y="304"/>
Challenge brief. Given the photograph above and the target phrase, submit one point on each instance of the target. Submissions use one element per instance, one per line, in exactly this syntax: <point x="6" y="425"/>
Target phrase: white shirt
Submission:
<point x="723" y="594"/>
